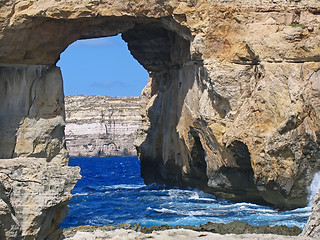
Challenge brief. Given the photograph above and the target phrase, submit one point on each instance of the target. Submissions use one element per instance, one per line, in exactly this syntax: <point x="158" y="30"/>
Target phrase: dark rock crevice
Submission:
<point x="236" y="181"/>
<point x="197" y="162"/>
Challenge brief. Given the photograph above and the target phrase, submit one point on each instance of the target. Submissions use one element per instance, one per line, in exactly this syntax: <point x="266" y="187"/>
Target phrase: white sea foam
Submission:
<point x="245" y="204"/>
<point x="302" y="210"/>
<point x="195" y="196"/>
<point x="314" y="187"/>
<point x="206" y="199"/>
<point x="200" y="213"/>
<point x="80" y="194"/>
<point x="187" y="212"/>
<point x="124" y="186"/>
<point x="165" y="210"/>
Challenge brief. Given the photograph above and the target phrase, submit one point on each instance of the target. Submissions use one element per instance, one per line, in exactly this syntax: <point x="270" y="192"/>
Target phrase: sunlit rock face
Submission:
<point x="312" y="228"/>
<point x="232" y="105"/>
<point x="239" y="116"/>
<point x="32" y="112"/>
<point x="101" y="126"/>
<point x="34" y="197"/>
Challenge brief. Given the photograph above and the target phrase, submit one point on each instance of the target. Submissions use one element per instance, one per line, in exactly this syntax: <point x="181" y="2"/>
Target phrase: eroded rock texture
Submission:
<point x="232" y="104"/>
<point x="239" y="117"/>
<point x="34" y="197"/>
<point x="32" y="112"/>
<point x="101" y="126"/>
<point x="312" y="229"/>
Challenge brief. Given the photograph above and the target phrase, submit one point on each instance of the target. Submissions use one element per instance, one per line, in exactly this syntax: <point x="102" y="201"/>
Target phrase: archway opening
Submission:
<point x="101" y="66"/>
<point x="159" y="51"/>
<point x="102" y="85"/>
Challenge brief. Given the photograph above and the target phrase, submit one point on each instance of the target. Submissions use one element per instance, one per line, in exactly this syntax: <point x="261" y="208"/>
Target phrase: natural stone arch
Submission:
<point x="34" y="128"/>
<point x="151" y="41"/>
<point x="235" y="86"/>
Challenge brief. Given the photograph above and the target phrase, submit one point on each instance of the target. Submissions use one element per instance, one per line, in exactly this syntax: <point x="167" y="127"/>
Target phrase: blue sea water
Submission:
<point x="111" y="191"/>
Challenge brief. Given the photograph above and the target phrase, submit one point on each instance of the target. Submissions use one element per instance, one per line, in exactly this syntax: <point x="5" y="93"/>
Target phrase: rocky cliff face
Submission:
<point x="101" y="126"/>
<point x="34" y="197"/>
<point x="32" y="113"/>
<point x="35" y="183"/>
<point x="312" y="229"/>
<point x="239" y="116"/>
<point x="232" y="105"/>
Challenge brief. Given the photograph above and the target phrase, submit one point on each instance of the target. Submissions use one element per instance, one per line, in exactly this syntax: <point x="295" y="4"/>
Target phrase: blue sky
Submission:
<point x="101" y="66"/>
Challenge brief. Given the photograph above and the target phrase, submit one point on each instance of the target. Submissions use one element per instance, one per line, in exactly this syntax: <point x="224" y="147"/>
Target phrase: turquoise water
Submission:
<point x="111" y="191"/>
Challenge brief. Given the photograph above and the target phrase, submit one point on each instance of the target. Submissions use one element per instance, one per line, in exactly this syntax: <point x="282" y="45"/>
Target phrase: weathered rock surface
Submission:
<point x="175" y="234"/>
<point x="232" y="105"/>
<point x="235" y="227"/>
<point x="101" y="126"/>
<point x="312" y="228"/>
<point x="32" y="112"/>
<point x="240" y="116"/>
<point x="34" y="197"/>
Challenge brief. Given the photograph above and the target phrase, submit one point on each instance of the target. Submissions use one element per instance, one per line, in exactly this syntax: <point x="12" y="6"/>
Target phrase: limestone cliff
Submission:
<point x="233" y="101"/>
<point x="312" y="228"/>
<point x="34" y="197"/>
<point x="238" y="116"/>
<point x="32" y="113"/>
<point x="101" y="126"/>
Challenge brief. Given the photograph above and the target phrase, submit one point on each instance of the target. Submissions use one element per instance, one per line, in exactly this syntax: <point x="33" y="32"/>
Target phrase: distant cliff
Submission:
<point x="101" y="126"/>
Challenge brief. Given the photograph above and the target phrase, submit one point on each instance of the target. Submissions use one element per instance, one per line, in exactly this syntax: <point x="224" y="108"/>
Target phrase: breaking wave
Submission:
<point x="314" y="187"/>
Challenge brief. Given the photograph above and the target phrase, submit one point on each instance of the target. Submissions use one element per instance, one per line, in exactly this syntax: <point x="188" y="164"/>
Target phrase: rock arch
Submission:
<point x="220" y="73"/>
<point x="32" y="106"/>
<point x="36" y="83"/>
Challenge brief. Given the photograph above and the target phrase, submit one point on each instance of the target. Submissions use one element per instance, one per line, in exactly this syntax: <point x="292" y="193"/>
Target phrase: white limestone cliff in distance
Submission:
<point x="101" y="126"/>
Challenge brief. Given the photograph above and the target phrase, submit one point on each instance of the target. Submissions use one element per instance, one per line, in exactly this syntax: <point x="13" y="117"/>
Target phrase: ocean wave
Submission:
<point x="104" y="189"/>
<point x="197" y="197"/>
<point x="189" y="212"/>
<point x="93" y="189"/>
<point x="245" y="204"/>
<point x="79" y="194"/>
<point x="301" y="210"/>
<point x="109" y="200"/>
<point x="165" y="210"/>
<point x="99" y="220"/>
<point x="314" y="187"/>
<point x="154" y="186"/>
<point x="124" y="186"/>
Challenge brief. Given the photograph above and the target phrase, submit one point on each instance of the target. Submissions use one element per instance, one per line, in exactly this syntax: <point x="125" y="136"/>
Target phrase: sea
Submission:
<point x="112" y="191"/>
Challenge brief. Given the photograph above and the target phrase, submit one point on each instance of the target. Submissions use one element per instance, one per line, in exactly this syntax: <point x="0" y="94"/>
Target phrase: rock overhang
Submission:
<point x="45" y="38"/>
